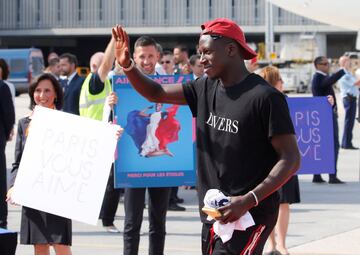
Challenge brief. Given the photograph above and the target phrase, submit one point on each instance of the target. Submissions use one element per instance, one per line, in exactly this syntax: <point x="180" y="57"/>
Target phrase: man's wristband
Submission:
<point x="255" y="197"/>
<point x="126" y="69"/>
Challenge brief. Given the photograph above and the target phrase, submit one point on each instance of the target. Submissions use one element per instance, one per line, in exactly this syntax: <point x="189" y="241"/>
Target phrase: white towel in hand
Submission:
<point x="214" y="198"/>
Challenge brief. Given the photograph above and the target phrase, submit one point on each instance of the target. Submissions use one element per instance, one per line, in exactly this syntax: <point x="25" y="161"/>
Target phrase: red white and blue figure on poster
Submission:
<point x="153" y="131"/>
<point x="157" y="147"/>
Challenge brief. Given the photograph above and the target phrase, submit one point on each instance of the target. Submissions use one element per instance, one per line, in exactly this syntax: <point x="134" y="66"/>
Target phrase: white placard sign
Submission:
<point x="65" y="165"/>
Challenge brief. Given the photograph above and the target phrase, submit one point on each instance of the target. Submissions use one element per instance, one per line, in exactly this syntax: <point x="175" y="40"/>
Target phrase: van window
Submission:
<point x="37" y="64"/>
<point x="18" y="65"/>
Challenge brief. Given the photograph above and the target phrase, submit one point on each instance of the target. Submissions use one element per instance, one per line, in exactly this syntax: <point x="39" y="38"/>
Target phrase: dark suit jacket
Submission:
<point x="322" y="85"/>
<point x="23" y="124"/>
<point x="7" y="113"/>
<point x="72" y="95"/>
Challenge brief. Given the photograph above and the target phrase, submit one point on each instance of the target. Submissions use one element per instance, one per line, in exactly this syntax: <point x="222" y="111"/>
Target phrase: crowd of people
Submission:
<point x="249" y="99"/>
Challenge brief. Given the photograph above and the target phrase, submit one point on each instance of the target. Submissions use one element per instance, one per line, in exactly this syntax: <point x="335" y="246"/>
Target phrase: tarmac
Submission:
<point x="326" y="222"/>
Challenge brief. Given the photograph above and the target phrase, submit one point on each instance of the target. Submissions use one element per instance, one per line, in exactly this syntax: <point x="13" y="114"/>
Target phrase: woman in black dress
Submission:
<point x="39" y="228"/>
<point x="289" y="192"/>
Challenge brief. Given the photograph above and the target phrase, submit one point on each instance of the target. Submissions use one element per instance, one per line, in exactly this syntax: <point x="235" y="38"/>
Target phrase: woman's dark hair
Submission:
<point x="5" y="69"/>
<point x="57" y="87"/>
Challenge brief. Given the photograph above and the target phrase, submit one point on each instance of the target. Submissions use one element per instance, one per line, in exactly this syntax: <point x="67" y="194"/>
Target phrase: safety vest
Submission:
<point x="92" y="106"/>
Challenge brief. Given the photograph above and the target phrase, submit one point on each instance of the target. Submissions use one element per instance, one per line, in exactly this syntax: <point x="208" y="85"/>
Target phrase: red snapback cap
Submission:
<point x="229" y="29"/>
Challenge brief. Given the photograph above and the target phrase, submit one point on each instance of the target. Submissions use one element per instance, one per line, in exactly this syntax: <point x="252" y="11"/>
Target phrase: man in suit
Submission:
<point x="72" y="84"/>
<point x="7" y="120"/>
<point x="322" y="85"/>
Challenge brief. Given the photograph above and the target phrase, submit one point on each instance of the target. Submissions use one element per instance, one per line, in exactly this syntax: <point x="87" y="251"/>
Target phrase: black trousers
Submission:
<point x="173" y="195"/>
<point x="251" y="241"/>
<point x="110" y="202"/>
<point x="358" y="108"/>
<point x="3" y="186"/>
<point x="134" y="201"/>
<point x="336" y="145"/>
<point x="349" y="103"/>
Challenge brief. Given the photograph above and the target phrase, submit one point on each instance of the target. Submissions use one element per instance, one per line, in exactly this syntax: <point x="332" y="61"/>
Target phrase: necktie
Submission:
<point x="64" y="84"/>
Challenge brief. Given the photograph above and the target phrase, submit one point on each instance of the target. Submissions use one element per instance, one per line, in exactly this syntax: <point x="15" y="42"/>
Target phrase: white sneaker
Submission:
<point x="111" y="229"/>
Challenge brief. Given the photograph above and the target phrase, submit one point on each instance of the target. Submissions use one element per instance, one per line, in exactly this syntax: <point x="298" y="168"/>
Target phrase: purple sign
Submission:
<point x="312" y="119"/>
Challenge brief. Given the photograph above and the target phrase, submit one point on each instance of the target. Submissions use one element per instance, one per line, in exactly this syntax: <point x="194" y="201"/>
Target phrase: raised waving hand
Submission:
<point x="122" y="52"/>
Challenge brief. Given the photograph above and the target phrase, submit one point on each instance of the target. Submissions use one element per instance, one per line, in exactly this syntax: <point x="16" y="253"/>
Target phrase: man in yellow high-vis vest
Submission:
<point x="96" y="86"/>
<point x="94" y="91"/>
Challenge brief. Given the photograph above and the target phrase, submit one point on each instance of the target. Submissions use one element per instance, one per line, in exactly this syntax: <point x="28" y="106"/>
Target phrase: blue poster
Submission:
<point x="156" y="149"/>
<point x="313" y="123"/>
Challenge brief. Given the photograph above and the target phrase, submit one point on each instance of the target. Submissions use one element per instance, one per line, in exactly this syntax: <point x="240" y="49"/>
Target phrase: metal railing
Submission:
<point x="47" y="14"/>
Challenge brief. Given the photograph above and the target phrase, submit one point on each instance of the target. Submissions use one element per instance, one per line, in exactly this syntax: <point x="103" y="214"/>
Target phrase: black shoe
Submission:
<point x="350" y="148"/>
<point x="176" y="207"/>
<point x="336" y="181"/>
<point x="318" y="179"/>
<point x="179" y="200"/>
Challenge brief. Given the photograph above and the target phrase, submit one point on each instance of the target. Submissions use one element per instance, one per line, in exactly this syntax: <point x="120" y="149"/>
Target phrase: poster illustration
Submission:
<point x="156" y="149"/>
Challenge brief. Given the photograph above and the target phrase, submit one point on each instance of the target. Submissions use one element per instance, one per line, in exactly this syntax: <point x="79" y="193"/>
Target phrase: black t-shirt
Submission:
<point x="234" y="127"/>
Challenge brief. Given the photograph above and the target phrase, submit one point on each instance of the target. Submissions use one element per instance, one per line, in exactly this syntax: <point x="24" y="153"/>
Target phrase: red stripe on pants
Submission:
<point x="212" y="234"/>
<point x="253" y="240"/>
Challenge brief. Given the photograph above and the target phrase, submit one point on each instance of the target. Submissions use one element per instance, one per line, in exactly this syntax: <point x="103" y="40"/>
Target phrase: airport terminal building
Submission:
<point x="84" y="26"/>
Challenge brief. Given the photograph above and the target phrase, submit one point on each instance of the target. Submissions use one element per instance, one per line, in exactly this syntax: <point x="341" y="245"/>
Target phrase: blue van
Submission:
<point x="24" y="65"/>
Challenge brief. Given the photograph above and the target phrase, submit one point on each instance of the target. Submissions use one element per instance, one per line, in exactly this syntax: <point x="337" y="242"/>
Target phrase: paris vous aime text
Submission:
<point x="67" y="172"/>
<point x="307" y="125"/>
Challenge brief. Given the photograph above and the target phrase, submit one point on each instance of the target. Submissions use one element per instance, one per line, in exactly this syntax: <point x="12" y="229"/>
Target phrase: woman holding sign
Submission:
<point x="39" y="228"/>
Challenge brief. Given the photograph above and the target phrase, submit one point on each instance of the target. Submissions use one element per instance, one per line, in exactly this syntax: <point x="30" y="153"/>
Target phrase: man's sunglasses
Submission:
<point x="216" y="37"/>
<point x="165" y="62"/>
<point x="324" y="64"/>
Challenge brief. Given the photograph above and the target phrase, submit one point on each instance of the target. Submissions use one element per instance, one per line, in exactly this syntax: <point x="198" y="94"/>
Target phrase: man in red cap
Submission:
<point x="246" y="145"/>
